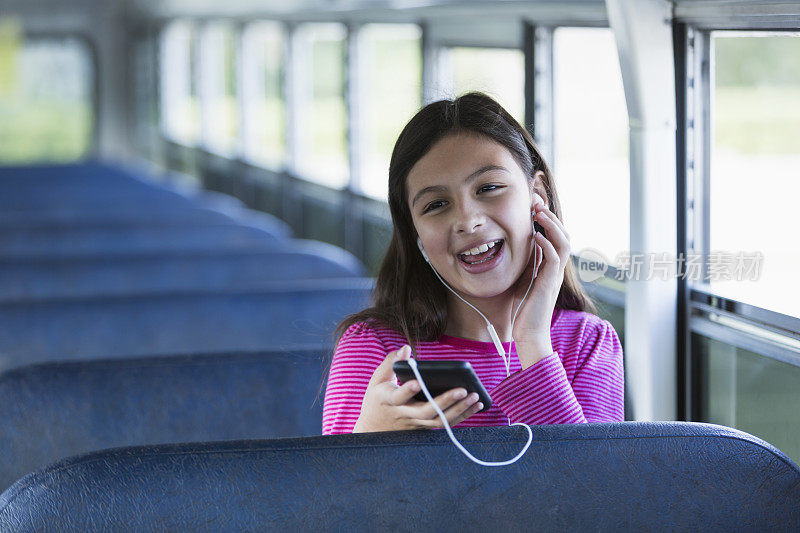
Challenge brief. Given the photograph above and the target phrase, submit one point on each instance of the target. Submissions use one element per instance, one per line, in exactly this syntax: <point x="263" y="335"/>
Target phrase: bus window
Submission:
<point x="391" y="74"/>
<point x="46" y="98"/>
<point x="755" y="157"/>
<point x="499" y="72"/>
<point x="591" y="140"/>
<point x="753" y="393"/>
<point x="219" y="113"/>
<point x="180" y="112"/>
<point x="263" y="76"/>
<point x="320" y="117"/>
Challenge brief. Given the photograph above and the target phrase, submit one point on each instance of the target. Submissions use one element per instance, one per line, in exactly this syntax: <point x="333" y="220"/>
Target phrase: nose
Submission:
<point x="469" y="218"/>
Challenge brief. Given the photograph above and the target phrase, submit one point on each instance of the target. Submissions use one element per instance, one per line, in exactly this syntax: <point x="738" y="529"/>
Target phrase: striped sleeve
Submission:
<point x="544" y="393"/>
<point x="358" y="353"/>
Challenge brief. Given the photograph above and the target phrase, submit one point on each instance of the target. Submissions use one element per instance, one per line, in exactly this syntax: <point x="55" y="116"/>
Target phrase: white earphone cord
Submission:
<point x="413" y="364"/>
<point x="506" y="360"/>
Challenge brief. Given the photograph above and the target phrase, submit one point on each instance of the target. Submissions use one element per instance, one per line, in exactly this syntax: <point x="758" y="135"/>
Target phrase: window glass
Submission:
<point x="218" y="78"/>
<point x="391" y="70"/>
<point x="180" y="111"/>
<point x="265" y="120"/>
<point x="321" y="153"/>
<point x="46" y="98"/>
<point x="590" y="140"/>
<point x="498" y="72"/>
<point x="755" y="157"/>
<point x="750" y="392"/>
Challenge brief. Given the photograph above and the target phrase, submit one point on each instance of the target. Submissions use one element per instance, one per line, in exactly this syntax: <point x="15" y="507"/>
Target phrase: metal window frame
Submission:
<point x="693" y="98"/>
<point x="701" y="304"/>
<point x="353" y="88"/>
<point x="684" y="85"/>
<point x="543" y="97"/>
<point x="703" y="323"/>
<point x="243" y="86"/>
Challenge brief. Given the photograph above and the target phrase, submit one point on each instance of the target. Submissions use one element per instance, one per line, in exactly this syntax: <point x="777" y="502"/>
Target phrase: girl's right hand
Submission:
<point x="387" y="407"/>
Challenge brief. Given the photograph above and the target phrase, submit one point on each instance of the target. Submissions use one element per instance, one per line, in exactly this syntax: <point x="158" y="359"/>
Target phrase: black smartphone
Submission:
<point x="442" y="376"/>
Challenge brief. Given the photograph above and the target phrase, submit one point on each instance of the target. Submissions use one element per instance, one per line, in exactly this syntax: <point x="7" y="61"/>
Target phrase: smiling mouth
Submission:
<point x="482" y="257"/>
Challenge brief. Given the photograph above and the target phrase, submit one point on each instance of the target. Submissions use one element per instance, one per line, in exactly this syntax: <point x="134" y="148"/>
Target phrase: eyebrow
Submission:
<point x="471" y="177"/>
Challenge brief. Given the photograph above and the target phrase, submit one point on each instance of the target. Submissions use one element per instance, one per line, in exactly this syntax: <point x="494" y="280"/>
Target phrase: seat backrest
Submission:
<point x="609" y="477"/>
<point x="114" y="241"/>
<point x="55" y="410"/>
<point x="92" y="187"/>
<point x="28" y="279"/>
<point x="286" y="314"/>
<point x="110" y="218"/>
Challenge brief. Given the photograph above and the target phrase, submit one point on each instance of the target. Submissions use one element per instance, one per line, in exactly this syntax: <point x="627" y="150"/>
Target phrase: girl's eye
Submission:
<point x="489" y="187"/>
<point x="436" y="204"/>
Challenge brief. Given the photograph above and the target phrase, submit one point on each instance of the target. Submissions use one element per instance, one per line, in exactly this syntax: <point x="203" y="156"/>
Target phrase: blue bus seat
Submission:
<point x="582" y="477"/>
<point x="110" y="218"/>
<point x="28" y="279"/>
<point x="284" y="314"/>
<point x="95" y="185"/>
<point x="55" y="410"/>
<point x="93" y="241"/>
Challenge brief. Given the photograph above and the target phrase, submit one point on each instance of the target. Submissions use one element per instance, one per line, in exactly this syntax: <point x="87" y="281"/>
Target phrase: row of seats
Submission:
<point x="57" y="409"/>
<point x="138" y="316"/>
<point x="137" y="312"/>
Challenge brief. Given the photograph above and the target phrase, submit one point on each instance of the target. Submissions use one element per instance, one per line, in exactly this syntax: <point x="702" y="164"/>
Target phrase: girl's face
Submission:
<point x="471" y="206"/>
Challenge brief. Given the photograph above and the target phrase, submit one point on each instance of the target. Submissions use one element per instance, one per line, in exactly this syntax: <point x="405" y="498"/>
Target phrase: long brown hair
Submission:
<point x="408" y="298"/>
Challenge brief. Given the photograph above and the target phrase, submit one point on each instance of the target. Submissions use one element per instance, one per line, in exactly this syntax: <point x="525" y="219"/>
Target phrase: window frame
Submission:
<point x="742" y="325"/>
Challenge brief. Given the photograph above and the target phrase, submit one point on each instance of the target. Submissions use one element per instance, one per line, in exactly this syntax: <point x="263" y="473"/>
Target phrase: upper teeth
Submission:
<point x="480" y="249"/>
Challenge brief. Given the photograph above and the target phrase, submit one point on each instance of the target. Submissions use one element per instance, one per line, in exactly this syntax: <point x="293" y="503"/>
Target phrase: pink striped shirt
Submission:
<point x="582" y="381"/>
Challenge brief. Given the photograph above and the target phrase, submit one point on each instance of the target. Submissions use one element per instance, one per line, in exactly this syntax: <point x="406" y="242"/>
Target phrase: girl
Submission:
<point x="465" y="183"/>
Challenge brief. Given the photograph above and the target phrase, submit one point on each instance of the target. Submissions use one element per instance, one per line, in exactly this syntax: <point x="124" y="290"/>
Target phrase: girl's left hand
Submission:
<point x="532" y="327"/>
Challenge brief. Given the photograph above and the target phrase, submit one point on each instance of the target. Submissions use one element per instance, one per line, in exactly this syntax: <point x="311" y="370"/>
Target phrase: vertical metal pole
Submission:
<point x="291" y="209"/>
<point x="643" y="32"/>
<point x="529" y="34"/>
<point x="683" y="338"/>
<point x="543" y="92"/>
<point x="430" y="67"/>
<point x="351" y="206"/>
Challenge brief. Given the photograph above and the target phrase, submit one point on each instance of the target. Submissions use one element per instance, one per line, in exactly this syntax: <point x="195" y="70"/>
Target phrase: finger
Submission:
<point x="402" y="395"/>
<point x="461" y="410"/>
<point x="385" y="373"/>
<point x="471" y="410"/>
<point x="539" y="255"/>
<point x="551" y="262"/>
<point x="455" y="414"/>
<point x="554" y="234"/>
<point x="445" y="401"/>
<point x="556" y="220"/>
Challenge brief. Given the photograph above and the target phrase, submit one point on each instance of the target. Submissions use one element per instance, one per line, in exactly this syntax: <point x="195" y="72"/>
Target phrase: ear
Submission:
<point x="538" y="192"/>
